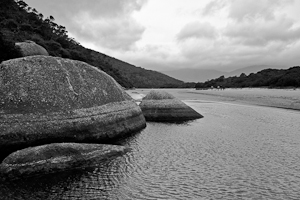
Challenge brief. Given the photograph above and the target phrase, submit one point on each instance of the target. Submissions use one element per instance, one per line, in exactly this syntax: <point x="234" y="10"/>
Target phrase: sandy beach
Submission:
<point x="280" y="98"/>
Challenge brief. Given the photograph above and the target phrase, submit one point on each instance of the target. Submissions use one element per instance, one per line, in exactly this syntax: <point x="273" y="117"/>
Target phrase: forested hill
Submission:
<point x="20" y="22"/>
<point x="272" y="78"/>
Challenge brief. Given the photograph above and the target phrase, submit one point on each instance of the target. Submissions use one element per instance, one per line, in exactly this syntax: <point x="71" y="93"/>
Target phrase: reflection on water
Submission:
<point x="90" y="183"/>
<point x="234" y="152"/>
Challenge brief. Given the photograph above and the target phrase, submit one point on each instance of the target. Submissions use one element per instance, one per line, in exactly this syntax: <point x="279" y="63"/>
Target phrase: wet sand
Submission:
<point x="280" y="98"/>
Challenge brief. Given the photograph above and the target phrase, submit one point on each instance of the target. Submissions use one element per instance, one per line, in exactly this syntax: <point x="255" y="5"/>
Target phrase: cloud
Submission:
<point x="213" y="7"/>
<point x="260" y="33"/>
<point x="67" y="9"/>
<point x="245" y="9"/>
<point x="114" y="33"/>
<point x="196" y="30"/>
<point x="253" y="32"/>
<point x="106" y="23"/>
<point x="240" y="10"/>
<point x="155" y="35"/>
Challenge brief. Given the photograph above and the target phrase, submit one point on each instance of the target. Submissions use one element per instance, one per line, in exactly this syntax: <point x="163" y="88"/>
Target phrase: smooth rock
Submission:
<point x="55" y="157"/>
<point x="160" y="106"/>
<point x="45" y="100"/>
<point x="30" y="48"/>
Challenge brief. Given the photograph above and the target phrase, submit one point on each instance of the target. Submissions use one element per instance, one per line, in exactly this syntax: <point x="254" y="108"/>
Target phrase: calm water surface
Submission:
<point x="234" y="152"/>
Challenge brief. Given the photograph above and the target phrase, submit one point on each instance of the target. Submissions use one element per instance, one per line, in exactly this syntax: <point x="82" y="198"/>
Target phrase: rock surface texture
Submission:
<point x="160" y="106"/>
<point x="46" y="100"/>
<point x="30" y="48"/>
<point x="56" y="157"/>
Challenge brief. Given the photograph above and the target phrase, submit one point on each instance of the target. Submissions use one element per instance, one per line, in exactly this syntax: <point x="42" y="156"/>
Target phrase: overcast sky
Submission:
<point x="173" y="34"/>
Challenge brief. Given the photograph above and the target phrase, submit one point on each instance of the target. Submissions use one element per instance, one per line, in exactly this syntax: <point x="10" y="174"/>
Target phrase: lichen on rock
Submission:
<point x="30" y="48"/>
<point x="46" y="99"/>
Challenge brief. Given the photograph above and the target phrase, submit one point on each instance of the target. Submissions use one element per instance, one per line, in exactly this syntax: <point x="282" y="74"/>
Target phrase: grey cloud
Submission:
<point x="108" y="23"/>
<point x="113" y="34"/>
<point x="67" y="9"/>
<point x="213" y="6"/>
<point x="245" y="9"/>
<point x="260" y="33"/>
<point x="102" y="8"/>
<point x="196" y="30"/>
<point x="241" y="10"/>
<point x="223" y="53"/>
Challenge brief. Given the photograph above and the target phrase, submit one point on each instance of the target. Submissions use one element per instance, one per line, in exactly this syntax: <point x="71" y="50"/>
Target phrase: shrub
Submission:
<point x="65" y="53"/>
<point x="26" y="27"/>
<point x="77" y="55"/>
<point x="8" y="49"/>
<point x="10" y="24"/>
<point x="52" y="45"/>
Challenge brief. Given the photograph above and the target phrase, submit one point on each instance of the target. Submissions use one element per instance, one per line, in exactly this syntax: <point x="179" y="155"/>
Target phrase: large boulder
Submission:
<point x="45" y="99"/>
<point x="56" y="157"/>
<point x="30" y="48"/>
<point x="160" y="106"/>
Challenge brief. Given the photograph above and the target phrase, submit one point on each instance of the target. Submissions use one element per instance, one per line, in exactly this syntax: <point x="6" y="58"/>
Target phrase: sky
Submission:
<point x="166" y="35"/>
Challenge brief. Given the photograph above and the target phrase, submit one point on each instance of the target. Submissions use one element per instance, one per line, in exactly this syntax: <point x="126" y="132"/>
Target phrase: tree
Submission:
<point x="243" y="75"/>
<point x="7" y="49"/>
<point x="29" y="9"/>
<point x="9" y="23"/>
<point x="51" y="18"/>
<point x="22" y="4"/>
<point x="41" y="16"/>
<point x="34" y="11"/>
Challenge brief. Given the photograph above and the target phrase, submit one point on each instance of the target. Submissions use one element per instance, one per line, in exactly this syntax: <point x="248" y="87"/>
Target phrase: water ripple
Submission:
<point x="234" y="152"/>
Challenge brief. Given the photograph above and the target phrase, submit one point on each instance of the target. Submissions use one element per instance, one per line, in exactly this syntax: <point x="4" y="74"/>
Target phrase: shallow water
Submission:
<point x="234" y="152"/>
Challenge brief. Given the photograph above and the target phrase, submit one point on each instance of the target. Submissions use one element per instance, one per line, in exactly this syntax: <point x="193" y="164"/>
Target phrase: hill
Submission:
<point x="202" y="75"/>
<point x="194" y="75"/>
<point x="252" y="69"/>
<point x="20" y="22"/>
<point x="265" y="78"/>
<point x="138" y="76"/>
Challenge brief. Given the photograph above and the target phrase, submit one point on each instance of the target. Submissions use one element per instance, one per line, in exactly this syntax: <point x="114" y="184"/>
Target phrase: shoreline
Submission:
<point x="277" y="98"/>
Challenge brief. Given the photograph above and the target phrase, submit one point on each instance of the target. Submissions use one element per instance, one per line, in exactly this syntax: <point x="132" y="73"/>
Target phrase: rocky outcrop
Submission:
<point x="46" y="100"/>
<point x="56" y="157"/>
<point x="160" y="106"/>
<point x="30" y="48"/>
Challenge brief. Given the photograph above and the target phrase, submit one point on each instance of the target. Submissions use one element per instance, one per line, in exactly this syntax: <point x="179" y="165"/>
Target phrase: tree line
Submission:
<point x="271" y="78"/>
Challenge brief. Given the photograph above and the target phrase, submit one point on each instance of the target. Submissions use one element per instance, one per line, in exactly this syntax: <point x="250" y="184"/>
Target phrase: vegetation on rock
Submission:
<point x="158" y="95"/>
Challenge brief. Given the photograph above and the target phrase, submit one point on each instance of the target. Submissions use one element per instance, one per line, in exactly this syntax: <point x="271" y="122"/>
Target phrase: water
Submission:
<point x="234" y="152"/>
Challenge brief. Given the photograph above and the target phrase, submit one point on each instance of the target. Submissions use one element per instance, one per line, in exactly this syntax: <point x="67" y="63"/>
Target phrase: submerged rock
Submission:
<point x="160" y="106"/>
<point x="45" y="99"/>
<point x="56" y="157"/>
<point x="30" y="48"/>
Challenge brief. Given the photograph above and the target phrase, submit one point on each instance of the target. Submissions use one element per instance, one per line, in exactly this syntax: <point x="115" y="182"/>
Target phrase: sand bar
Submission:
<point x="281" y="98"/>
